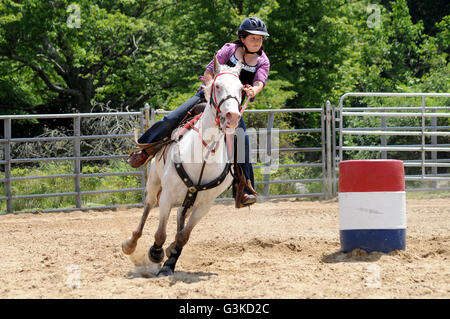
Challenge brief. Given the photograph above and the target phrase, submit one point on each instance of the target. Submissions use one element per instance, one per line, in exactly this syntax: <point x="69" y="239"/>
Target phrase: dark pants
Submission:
<point x="246" y="165"/>
<point x="164" y="127"/>
<point x="168" y="123"/>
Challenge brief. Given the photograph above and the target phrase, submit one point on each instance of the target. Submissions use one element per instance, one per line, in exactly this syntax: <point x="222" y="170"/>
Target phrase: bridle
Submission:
<point x="213" y="100"/>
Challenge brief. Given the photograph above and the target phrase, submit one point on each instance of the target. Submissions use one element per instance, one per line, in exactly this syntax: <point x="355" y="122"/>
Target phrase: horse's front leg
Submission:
<point x="181" y="218"/>
<point x="182" y="237"/>
<point x="156" y="252"/>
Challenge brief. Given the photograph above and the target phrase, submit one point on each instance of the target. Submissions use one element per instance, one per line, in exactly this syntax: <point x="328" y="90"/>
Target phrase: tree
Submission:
<point x="78" y="51"/>
<point x="305" y="47"/>
<point x="429" y="12"/>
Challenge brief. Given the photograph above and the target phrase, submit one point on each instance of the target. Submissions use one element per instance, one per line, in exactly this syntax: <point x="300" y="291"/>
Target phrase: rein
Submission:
<point x="191" y="125"/>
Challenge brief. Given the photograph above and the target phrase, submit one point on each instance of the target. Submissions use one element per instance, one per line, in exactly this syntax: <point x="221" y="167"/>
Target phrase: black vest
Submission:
<point x="247" y="73"/>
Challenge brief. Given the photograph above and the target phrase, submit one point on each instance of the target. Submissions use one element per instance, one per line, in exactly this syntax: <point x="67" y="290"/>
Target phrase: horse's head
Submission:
<point x="225" y="95"/>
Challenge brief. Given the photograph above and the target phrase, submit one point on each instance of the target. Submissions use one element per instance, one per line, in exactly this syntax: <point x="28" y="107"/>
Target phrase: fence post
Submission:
<point x="333" y="150"/>
<point x="323" y="119"/>
<point x="423" y="138"/>
<point x="383" y="137"/>
<point x="146" y="111"/>
<point x="434" y="169"/>
<point x="328" y="152"/>
<point x="77" y="161"/>
<point x="145" y="124"/>
<point x="7" y="131"/>
<point x="269" y="153"/>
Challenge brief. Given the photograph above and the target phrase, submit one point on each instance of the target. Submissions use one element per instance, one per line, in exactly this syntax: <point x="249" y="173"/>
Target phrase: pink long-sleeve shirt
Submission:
<point x="225" y="53"/>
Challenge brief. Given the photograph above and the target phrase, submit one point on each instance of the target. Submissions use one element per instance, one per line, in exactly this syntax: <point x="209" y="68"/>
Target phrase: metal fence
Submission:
<point x="143" y="120"/>
<point x="428" y="160"/>
<point x="433" y="150"/>
<point x="8" y="141"/>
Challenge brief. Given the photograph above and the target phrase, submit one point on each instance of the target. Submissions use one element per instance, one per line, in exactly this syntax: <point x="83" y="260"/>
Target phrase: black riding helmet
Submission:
<point x="253" y="26"/>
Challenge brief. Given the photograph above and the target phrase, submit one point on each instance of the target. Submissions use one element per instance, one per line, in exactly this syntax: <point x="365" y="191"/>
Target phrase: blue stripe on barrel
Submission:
<point x="382" y="240"/>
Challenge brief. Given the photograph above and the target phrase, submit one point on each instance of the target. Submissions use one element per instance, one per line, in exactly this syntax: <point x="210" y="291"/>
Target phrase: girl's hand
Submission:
<point x="250" y="91"/>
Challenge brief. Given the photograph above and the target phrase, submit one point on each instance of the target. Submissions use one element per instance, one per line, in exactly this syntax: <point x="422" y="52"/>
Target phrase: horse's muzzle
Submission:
<point x="232" y="120"/>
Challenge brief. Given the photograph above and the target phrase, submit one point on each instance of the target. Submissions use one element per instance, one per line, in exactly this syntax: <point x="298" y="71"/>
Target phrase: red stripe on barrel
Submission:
<point x="371" y="176"/>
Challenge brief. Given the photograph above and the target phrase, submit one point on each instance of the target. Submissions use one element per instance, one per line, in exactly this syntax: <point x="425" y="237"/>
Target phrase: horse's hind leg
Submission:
<point x="182" y="237"/>
<point x="153" y="187"/>
<point x="129" y="245"/>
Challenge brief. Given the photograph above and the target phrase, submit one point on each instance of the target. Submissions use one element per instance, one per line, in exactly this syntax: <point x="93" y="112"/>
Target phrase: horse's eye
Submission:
<point x="217" y="86"/>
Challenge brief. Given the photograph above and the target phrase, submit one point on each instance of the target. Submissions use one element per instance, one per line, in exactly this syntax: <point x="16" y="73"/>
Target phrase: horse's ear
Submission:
<point x="216" y="66"/>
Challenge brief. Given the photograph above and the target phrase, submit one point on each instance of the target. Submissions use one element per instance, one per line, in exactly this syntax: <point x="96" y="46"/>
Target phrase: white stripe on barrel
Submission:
<point x="372" y="205"/>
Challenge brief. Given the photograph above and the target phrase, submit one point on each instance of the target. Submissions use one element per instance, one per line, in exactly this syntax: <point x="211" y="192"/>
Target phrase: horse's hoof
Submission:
<point x="156" y="255"/>
<point x="128" y="247"/>
<point x="164" y="272"/>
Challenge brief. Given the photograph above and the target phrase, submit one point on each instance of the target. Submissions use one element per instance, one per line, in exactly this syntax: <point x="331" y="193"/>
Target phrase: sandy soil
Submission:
<point x="285" y="249"/>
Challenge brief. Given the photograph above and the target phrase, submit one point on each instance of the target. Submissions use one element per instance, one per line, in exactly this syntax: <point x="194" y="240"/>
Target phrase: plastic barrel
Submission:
<point x="372" y="205"/>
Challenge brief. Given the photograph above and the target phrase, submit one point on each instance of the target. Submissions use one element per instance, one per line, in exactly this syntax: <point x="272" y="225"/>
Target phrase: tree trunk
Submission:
<point x="82" y="102"/>
<point x="87" y="90"/>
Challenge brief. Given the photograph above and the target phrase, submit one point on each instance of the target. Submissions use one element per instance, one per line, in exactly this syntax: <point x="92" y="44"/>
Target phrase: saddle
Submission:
<point x="197" y="109"/>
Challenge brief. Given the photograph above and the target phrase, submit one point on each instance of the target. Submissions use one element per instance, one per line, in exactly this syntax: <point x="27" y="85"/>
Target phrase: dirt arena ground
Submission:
<point x="284" y="249"/>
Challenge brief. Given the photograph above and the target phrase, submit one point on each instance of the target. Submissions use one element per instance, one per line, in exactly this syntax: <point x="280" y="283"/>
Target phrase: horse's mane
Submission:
<point x="223" y="68"/>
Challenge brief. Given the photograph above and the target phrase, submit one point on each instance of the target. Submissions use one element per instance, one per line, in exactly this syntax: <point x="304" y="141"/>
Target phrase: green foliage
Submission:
<point x="126" y="53"/>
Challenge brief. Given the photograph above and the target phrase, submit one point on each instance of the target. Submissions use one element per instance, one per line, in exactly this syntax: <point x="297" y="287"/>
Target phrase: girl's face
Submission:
<point x="253" y="42"/>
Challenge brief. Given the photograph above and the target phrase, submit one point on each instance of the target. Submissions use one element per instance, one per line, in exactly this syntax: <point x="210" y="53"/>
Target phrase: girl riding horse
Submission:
<point x="248" y="50"/>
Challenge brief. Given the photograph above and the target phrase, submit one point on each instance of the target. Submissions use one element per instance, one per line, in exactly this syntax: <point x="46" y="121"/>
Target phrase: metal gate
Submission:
<point x="431" y="154"/>
<point x="76" y="139"/>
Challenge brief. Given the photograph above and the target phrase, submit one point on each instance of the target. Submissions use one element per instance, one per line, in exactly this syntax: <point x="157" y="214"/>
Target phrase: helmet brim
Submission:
<point x="257" y="32"/>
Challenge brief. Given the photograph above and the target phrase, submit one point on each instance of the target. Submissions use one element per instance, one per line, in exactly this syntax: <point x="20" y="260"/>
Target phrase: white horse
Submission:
<point x="202" y="154"/>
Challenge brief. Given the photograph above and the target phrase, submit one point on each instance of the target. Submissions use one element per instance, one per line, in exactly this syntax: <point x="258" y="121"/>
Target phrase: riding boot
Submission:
<point x="149" y="143"/>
